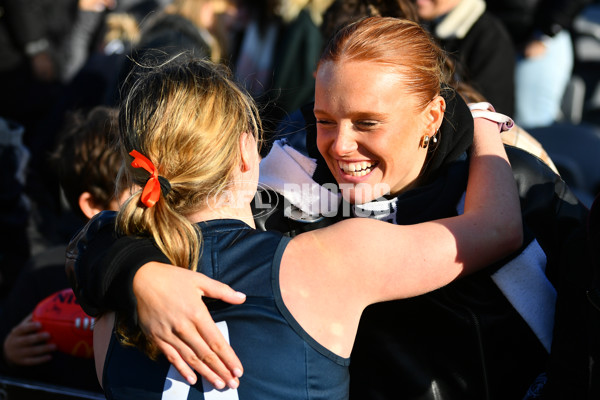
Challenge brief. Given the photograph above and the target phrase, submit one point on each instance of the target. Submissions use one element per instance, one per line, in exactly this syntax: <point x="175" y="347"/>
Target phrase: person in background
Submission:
<point x="482" y="48"/>
<point x="275" y="50"/>
<point x="87" y="163"/>
<point x="183" y="25"/>
<point x="540" y="32"/>
<point x="15" y="248"/>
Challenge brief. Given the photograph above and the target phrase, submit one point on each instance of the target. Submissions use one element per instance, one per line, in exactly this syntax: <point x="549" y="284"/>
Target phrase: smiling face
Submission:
<point x="369" y="128"/>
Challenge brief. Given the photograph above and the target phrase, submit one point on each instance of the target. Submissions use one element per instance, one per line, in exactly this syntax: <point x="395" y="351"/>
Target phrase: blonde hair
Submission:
<point x="288" y="10"/>
<point x="186" y="116"/>
<point x="398" y="43"/>
<point x="123" y="27"/>
<point x="192" y="10"/>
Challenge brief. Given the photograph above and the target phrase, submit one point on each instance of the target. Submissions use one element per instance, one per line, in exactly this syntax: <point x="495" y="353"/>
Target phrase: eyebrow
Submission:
<point x="359" y="114"/>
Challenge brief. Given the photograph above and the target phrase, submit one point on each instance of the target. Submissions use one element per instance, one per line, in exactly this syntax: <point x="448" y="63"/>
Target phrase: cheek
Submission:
<point x="323" y="142"/>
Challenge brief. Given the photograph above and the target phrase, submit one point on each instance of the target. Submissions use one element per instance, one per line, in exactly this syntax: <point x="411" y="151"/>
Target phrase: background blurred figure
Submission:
<point x="181" y="26"/>
<point x="275" y="52"/>
<point x="594" y="297"/>
<point x="342" y="12"/>
<point x="34" y="51"/>
<point x="540" y="33"/>
<point x="14" y="205"/>
<point x="87" y="164"/>
<point x="483" y="50"/>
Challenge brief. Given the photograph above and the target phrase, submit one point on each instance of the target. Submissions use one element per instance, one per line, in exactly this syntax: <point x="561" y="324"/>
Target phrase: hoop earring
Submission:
<point x="425" y="141"/>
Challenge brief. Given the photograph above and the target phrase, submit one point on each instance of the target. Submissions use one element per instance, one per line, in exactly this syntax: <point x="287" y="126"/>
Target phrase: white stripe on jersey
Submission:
<point x="210" y="393"/>
<point x="177" y="388"/>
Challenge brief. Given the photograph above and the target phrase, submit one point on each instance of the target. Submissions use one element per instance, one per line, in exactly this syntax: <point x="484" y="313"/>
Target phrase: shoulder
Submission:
<point x="489" y="33"/>
<point x="529" y="169"/>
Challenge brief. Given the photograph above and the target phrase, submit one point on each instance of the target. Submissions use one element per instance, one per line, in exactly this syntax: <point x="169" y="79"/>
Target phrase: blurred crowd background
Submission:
<point x="60" y="58"/>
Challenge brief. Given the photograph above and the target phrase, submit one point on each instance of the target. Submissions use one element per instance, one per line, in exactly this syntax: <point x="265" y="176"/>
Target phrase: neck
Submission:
<point x="244" y="214"/>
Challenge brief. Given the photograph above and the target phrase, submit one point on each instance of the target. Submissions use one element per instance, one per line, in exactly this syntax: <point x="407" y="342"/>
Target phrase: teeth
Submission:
<point x="356" y="169"/>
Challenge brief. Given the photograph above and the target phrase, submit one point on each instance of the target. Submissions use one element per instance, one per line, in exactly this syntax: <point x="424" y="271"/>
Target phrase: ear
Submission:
<point x="435" y="114"/>
<point x="248" y="151"/>
<point x="88" y="205"/>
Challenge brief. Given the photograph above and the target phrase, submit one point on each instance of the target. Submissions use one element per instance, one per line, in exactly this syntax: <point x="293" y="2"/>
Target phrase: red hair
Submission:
<point x="398" y="43"/>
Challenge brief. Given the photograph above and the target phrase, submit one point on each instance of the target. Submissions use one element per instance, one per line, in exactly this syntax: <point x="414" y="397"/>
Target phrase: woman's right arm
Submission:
<point x="340" y="269"/>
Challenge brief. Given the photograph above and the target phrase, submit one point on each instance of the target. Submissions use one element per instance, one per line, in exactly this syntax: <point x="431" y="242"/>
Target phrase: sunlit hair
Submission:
<point x="185" y="116"/>
<point x="398" y="43"/>
<point x="192" y="10"/>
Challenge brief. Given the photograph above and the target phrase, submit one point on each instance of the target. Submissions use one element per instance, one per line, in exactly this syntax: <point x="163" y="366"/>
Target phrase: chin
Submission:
<point x="364" y="192"/>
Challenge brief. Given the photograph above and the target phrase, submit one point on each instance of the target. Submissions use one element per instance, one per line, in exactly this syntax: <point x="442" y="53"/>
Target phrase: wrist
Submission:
<point x="36" y="47"/>
<point x="486" y="110"/>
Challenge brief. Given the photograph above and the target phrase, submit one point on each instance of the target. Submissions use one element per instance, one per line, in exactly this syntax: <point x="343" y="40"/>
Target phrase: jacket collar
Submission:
<point x="457" y="23"/>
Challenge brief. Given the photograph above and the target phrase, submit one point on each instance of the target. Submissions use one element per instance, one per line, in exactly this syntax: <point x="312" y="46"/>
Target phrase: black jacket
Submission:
<point x="485" y="59"/>
<point x="524" y="18"/>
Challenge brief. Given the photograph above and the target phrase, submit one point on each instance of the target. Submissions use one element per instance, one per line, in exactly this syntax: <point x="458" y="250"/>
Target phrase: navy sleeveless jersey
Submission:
<point x="281" y="361"/>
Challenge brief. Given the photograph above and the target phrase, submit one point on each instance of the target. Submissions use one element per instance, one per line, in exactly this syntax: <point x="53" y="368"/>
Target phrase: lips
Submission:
<point x="360" y="168"/>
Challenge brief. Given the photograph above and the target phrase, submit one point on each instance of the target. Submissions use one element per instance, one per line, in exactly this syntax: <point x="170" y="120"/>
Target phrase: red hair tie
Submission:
<point x="151" y="192"/>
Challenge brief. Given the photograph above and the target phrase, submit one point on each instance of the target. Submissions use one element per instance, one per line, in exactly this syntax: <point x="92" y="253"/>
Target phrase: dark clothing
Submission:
<point x="297" y="50"/>
<point x="296" y="55"/>
<point x="22" y="23"/>
<point x="525" y="18"/>
<point x="593" y="295"/>
<point x="14" y="207"/>
<point x="30" y="27"/>
<point x="486" y="60"/>
<point x="164" y="36"/>
<point x="281" y="361"/>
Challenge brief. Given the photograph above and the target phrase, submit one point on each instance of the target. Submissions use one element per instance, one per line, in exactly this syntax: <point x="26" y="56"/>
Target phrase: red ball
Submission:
<point x="70" y="328"/>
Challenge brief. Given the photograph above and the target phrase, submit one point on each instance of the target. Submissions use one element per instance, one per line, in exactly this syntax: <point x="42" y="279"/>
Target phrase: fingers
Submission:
<point x="181" y="366"/>
<point x="33" y="355"/>
<point x="184" y="330"/>
<point x="221" y="291"/>
<point x="218" y="354"/>
<point x="217" y="379"/>
<point x="24" y="348"/>
<point x="206" y="352"/>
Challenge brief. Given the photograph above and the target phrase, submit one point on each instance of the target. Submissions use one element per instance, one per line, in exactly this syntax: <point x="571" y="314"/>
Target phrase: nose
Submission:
<point x="344" y="142"/>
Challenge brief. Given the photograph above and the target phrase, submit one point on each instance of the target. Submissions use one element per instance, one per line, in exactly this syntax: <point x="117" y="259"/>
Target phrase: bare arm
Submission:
<point x="361" y="261"/>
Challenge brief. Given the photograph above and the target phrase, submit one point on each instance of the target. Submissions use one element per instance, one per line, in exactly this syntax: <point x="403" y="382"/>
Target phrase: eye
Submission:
<point x="324" y="122"/>
<point x="366" y="124"/>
